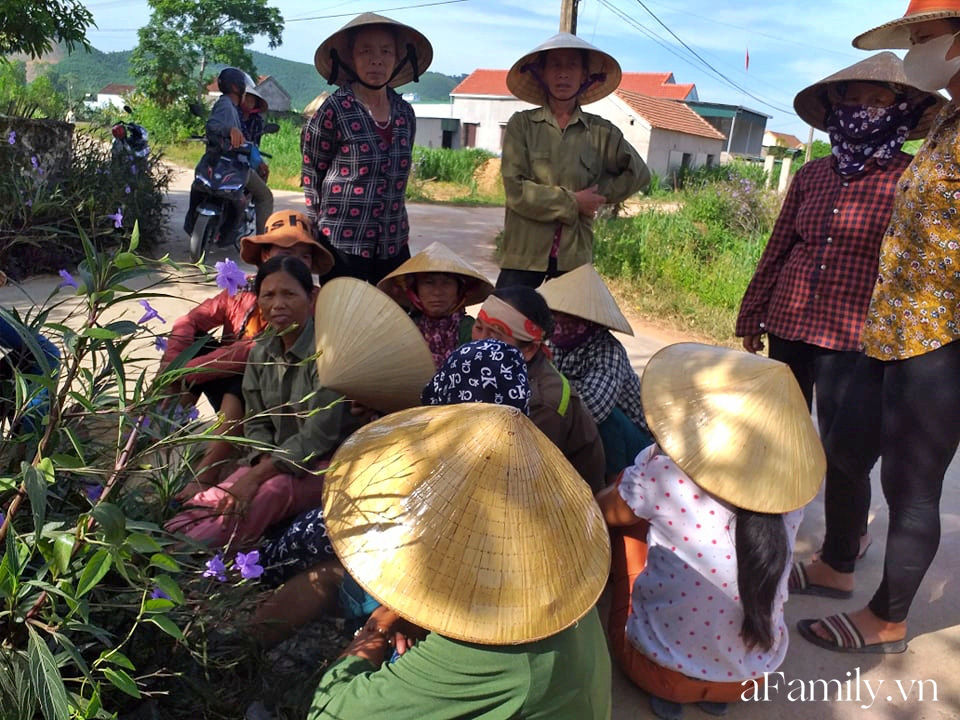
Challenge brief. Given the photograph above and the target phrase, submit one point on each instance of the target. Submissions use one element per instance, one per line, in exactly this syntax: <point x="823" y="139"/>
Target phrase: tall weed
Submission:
<point x="446" y="165"/>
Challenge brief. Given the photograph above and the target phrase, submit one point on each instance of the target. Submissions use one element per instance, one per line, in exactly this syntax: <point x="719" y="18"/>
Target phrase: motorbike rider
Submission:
<point x="223" y="130"/>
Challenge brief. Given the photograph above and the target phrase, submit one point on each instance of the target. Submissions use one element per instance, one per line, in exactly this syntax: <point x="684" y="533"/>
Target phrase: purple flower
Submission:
<point x="68" y="280"/>
<point x="159" y="594"/>
<point x="249" y="564"/>
<point x="181" y="416"/>
<point x="192" y="414"/>
<point x="216" y="568"/>
<point x="117" y="218"/>
<point x="127" y="189"/>
<point x="230" y="277"/>
<point x="3" y="519"/>
<point x="160" y="343"/>
<point x="12" y="138"/>
<point x="133" y="169"/>
<point x="34" y="162"/>
<point x="93" y="491"/>
<point x="150" y="313"/>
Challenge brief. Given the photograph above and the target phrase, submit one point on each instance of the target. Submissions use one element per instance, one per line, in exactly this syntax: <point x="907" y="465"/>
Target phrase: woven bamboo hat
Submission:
<point x="369" y="349"/>
<point x="583" y="293"/>
<point x="813" y="104"/>
<point x="896" y="33"/>
<point x="524" y="77"/>
<point x="469" y="522"/>
<point x="413" y="50"/>
<point x="286" y="228"/>
<point x="436" y="258"/>
<point x="736" y="423"/>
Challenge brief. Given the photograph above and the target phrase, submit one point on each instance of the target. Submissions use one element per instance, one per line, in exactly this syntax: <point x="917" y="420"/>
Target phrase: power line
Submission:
<point x="708" y="65"/>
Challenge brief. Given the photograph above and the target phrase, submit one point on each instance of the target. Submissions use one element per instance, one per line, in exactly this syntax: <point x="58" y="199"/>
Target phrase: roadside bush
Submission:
<point x="34" y="100"/>
<point x="165" y="125"/>
<point x="40" y="215"/>
<point x="446" y="165"/>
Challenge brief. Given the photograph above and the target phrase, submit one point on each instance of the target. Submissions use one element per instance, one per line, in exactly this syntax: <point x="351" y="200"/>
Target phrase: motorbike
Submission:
<point x="129" y="139"/>
<point x="224" y="212"/>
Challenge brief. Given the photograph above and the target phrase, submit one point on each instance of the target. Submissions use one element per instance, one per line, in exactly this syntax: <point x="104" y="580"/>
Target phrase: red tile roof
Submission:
<point x="117" y="89"/>
<point x="669" y="115"/>
<point x="494" y="83"/>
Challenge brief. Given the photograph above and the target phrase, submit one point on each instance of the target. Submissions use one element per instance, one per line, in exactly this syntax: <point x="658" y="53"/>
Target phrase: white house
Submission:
<point x="436" y="126"/>
<point x="113" y="95"/>
<point x="791" y="143"/>
<point x="649" y="108"/>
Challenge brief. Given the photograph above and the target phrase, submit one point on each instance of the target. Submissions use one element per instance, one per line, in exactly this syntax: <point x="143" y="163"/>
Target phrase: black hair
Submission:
<point x="289" y="264"/>
<point x="762" y="556"/>
<point x="529" y="303"/>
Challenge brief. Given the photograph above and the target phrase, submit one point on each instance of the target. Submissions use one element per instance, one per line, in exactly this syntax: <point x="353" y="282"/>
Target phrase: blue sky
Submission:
<point x="792" y="43"/>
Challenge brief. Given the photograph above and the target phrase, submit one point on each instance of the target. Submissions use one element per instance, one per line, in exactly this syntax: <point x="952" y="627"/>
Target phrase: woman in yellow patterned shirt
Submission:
<point x="904" y="404"/>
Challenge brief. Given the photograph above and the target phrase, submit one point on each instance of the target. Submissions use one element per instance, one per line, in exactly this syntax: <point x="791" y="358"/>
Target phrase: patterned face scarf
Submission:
<point x="487" y="371"/>
<point x="860" y="132"/>
<point x="442" y="334"/>
<point x="570" y="331"/>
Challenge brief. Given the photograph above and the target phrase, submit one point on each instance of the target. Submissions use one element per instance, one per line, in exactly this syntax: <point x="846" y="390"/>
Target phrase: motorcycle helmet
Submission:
<point x="234" y="80"/>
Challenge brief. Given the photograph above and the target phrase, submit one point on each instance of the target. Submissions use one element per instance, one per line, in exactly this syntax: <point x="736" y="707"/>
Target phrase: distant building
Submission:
<point x="436" y="126"/>
<point x="649" y="108"/>
<point x="742" y="127"/>
<point x="112" y="95"/>
<point x="781" y="144"/>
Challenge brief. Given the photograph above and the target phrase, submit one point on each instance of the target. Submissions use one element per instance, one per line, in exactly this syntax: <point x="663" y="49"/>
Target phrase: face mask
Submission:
<point x="926" y="66"/>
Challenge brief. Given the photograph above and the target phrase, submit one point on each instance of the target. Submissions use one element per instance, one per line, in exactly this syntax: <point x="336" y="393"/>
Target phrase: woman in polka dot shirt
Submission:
<point x="709" y="515"/>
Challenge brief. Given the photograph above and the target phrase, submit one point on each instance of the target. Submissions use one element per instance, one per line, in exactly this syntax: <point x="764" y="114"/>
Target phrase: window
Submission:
<point x="470" y="134"/>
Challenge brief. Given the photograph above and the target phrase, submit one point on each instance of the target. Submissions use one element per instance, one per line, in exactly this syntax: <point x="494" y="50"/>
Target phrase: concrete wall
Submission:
<point x="275" y="96"/>
<point x="489" y="114"/>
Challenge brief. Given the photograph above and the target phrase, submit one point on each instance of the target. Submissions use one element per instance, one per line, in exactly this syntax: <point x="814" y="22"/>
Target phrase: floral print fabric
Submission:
<point x="860" y="132"/>
<point x="914" y="309"/>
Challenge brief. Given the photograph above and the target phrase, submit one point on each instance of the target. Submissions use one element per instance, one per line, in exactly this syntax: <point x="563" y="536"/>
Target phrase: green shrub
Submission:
<point x="446" y="165"/>
<point x="101" y="194"/>
<point x="37" y="99"/>
<point x="165" y="125"/>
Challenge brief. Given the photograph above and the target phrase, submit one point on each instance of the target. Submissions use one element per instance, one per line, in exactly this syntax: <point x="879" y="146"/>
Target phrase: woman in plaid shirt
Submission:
<point x="811" y="290"/>
<point x="357" y="148"/>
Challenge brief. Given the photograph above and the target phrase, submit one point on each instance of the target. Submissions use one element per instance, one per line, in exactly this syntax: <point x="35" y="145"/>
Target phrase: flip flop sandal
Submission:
<point x="845" y="637"/>
<point x="799" y="584"/>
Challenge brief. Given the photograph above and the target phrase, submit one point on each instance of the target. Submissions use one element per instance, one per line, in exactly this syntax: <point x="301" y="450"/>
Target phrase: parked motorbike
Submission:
<point x="224" y="212"/>
<point x="129" y="139"/>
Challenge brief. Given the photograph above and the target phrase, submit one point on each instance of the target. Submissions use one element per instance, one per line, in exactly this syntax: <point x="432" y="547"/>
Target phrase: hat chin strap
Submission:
<point x="532" y="68"/>
<point x="410" y="57"/>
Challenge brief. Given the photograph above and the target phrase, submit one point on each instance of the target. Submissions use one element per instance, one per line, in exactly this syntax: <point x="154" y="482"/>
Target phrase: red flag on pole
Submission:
<point x="746" y="62"/>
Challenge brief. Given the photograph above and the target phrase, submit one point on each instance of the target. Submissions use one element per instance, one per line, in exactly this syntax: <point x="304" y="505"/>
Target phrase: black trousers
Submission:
<point x="527" y="278"/>
<point x="371" y="269"/>
<point x="906" y="412"/>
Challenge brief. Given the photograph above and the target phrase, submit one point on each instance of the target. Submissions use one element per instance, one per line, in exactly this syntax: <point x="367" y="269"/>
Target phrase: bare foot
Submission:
<point x="873" y="629"/>
<point x="819" y="573"/>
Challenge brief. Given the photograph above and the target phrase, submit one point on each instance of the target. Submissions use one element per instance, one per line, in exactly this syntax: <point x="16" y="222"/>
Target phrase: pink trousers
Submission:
<point x="280" y="497"/>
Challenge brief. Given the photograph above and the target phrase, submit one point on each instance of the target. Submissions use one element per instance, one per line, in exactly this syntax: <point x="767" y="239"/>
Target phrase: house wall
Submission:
<point x="490" y="115"/>
<point x="275" y="95"/>
<point x="106" y="101"/>
<point x="670" y="150"/>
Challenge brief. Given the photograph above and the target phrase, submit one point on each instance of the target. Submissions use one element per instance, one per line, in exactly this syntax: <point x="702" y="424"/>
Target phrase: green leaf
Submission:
<point x="99" y="333"/>
<point x="170" y="587"/>
<point x="167" y="625"/>
<point x="135" y="236"/>
<point x="124" y="260"/>
<point x="164" y="562"/>
<point x="46" y="680"/>
<point x="115" y="657"/>
<point x="37" y="492"/>
<point x="112" y="520"/>
<point x="158" y="605"/>
<point x="120" y="680"/>
<point x="63" y="551"/>
<point x="97" y="566"/>
<point x="123" y="327"/>
<point x="142" y="543"/>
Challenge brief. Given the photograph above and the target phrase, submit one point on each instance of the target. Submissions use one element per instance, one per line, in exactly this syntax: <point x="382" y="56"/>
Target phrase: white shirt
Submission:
<point x="686" y="603"/>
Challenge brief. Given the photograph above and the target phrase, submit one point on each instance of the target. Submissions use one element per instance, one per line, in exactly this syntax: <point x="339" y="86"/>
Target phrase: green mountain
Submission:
<point x="79" y="73"/>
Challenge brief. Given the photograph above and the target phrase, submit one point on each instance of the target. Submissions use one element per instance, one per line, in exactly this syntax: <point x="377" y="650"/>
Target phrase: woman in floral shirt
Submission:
<point x="357" y="148"/>
<point x="904" y="403"/>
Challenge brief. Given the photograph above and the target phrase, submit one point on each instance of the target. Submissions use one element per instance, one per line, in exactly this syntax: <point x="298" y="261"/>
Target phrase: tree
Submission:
<point x="184" y="37"/>
<point x="32" y="27"/>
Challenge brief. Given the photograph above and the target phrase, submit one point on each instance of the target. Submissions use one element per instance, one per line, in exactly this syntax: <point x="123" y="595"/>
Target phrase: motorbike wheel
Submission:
<point x="204" y="232"/>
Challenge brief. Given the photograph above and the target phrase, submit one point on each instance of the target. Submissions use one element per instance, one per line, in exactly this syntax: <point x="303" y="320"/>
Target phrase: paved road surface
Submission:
<point x="934" y="652"/>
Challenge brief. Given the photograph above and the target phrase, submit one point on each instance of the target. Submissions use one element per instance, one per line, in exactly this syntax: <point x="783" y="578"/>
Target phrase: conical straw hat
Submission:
<point x="582" y="292"/>
<point x="896" y="33"/>
<point x="437" y="258"/>
<point x="736" y="423"/>
<point x="467" y="521"/>
<point x="522" y="82"/>
<point x="368" y="348"/>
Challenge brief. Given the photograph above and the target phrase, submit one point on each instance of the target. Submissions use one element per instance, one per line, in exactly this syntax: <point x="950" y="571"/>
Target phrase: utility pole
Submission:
<point x="568" y="16"/>
<point x="809" y="148"/>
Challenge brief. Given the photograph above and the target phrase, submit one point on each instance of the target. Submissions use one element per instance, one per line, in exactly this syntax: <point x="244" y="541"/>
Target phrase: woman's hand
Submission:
<point x="239" y="496"/>
<point x="383" y="631"/>
<point x="753" y="343"/>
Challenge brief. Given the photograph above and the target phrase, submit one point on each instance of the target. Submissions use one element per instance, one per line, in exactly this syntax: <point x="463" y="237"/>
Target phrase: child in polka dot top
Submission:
<point x="704" y="524"/>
